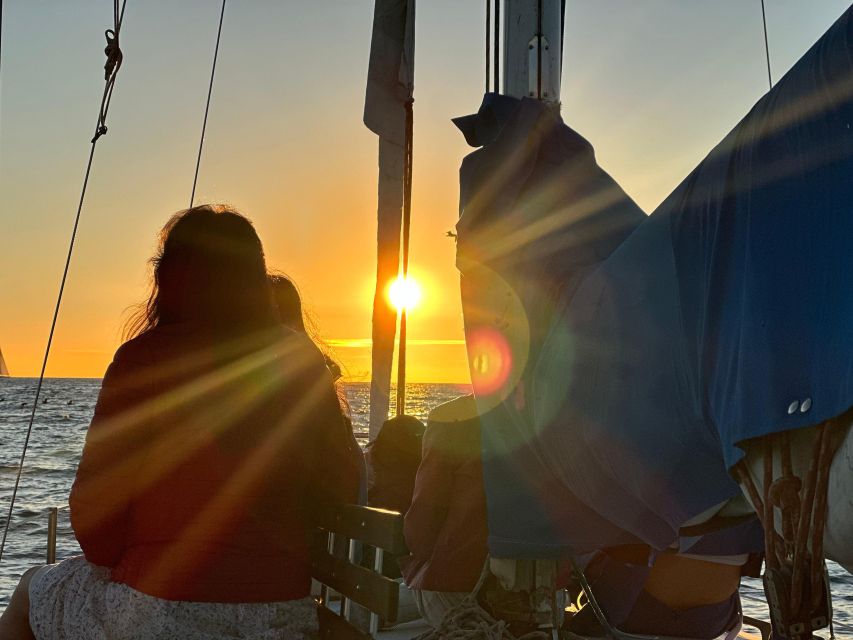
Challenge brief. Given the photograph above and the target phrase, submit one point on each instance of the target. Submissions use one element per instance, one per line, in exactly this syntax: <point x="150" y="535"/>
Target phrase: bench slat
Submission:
<point x="367" y="588"/>
<point x="374" y="527"/>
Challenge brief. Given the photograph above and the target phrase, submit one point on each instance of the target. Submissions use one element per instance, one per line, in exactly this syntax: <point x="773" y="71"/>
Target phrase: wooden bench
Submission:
<point x="343" y="528"/>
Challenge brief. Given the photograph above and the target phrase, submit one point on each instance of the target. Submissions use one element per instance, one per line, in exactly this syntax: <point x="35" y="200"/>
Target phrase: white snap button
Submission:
<point x="792" y="408"/>
<point x="805" y="405"/>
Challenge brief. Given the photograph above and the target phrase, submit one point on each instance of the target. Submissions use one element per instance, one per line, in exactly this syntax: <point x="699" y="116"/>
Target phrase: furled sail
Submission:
<point x="537" y="213"/>
<point x="4" y="370"/>
<point x="390" y="84"/>
<point x="723" y="316"/>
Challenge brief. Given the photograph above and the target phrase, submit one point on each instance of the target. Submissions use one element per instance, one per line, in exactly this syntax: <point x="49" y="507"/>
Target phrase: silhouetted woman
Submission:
<point x="193" y="497"/>
<point x="292" y="315"/>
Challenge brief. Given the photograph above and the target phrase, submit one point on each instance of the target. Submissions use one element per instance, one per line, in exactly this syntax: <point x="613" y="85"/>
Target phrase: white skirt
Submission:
<point x="76" y="600"/>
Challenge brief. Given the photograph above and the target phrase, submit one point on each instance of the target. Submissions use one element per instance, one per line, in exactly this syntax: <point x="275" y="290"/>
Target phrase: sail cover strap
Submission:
<point x="390" y="82"/>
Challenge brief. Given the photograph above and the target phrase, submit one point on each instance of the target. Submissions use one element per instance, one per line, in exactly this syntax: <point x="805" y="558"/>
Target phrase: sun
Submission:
<point x="404" y="294"/>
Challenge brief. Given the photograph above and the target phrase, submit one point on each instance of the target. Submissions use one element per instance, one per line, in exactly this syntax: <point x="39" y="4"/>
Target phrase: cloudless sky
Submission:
<point x="653" y="84"/>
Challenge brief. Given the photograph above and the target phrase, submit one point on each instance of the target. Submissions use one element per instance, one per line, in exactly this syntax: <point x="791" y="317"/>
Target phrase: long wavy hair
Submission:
<point x="292" y="314"/>
<point x="209" y="268"/>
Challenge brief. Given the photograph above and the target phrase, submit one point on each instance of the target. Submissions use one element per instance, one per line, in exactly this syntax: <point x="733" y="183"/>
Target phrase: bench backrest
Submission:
<point x="336" y="566"/>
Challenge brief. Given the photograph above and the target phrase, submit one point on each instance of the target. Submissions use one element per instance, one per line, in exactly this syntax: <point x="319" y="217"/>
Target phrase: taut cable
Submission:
<point x="488" y="40"/>
<point x="207" y="105"/>
<point x="114" y="58"/>
<point x="766" y="45"/>
<point x="407" y="223"/>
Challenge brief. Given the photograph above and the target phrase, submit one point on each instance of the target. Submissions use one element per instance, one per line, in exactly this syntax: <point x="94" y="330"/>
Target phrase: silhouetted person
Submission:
<point x="445" y="527"/>
<point x="292" y="315"/>
<point x="216" y="432"/>
<point x="393" y="458"/>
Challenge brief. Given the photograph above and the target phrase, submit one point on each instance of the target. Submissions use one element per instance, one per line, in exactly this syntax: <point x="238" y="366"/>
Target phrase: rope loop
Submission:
<point x="114" y="59"/>
<point x="469" y="621"/>
<point x="113" y="53"/>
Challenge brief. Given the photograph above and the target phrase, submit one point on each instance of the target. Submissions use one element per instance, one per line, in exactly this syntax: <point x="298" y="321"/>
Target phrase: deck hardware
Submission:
<point x="535" y="74"/>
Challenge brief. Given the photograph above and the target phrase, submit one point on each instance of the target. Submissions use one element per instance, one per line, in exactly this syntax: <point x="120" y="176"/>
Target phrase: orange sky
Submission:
<point x="653" y="87"/>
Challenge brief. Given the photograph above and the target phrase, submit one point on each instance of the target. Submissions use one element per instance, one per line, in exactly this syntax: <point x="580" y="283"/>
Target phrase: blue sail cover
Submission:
<point x="725" y="315"/>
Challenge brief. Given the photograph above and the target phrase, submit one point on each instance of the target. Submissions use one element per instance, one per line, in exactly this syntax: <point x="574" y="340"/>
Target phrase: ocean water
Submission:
<point x="64" y="411"/>
<point x="63" y="415"/>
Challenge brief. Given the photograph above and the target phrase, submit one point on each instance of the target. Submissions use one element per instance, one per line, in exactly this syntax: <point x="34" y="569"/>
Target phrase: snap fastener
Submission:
<point x="792" y="408"/>
<point x="805" y="405"/>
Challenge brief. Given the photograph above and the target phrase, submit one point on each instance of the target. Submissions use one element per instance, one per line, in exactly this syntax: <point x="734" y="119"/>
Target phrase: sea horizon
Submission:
<point x="344" y="381"/>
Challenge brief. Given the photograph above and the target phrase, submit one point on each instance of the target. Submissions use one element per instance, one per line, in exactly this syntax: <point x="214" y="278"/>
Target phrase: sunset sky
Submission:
<point x="653" y="84"/>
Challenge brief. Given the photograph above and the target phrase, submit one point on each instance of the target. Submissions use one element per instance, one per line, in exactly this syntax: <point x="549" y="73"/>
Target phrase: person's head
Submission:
<point x="288" y="301"/>
<point x="209" y="268"/>
<point x="398" y="445"/>
<point x="290" y="312"/>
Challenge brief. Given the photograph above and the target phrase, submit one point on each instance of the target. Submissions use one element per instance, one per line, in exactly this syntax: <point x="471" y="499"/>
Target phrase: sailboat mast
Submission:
<point x="388" y="112"/>
<point x="532" y="47"/>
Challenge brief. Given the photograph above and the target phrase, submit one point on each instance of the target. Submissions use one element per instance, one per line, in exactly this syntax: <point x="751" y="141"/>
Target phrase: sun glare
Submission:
<point x="404" y="293"/>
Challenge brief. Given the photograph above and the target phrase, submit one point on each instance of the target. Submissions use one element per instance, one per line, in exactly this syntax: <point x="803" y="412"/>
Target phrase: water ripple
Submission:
<point x="58" y="436"/>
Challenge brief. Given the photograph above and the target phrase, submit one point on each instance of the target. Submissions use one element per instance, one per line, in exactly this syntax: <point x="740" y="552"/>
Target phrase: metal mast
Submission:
<point x="532" y="48"/>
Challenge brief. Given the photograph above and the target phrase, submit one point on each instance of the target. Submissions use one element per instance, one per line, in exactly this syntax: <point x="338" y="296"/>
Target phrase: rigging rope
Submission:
<point x="111" y="68"/>
<point x="207" y="105"/>
<point x="488" y="40"/>
<point x="761" y="600"/>
<point x="1" y="35"/>
<point x="539" y="50"/>
<point x="407" y="223"/>
<point x="766" y="45"/>
<point x="1" y="56"/>
<point x="497" y="46"/>
<point x="798" y="552"/>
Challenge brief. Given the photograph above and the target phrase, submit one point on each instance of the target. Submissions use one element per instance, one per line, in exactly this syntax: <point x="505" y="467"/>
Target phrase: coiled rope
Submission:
<point x="803" y="505"/>
<point x="111" y="68"/>
<point x="469" y="621"/>
<point x="832" y="623"/>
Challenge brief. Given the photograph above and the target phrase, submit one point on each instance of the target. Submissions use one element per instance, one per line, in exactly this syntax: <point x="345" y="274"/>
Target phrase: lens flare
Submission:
<point x="491" y="361"/>
<point x="404" y="293"/>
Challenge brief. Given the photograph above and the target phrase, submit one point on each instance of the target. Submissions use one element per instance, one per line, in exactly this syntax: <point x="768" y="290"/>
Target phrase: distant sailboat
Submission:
<point x="4" y="370"/>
